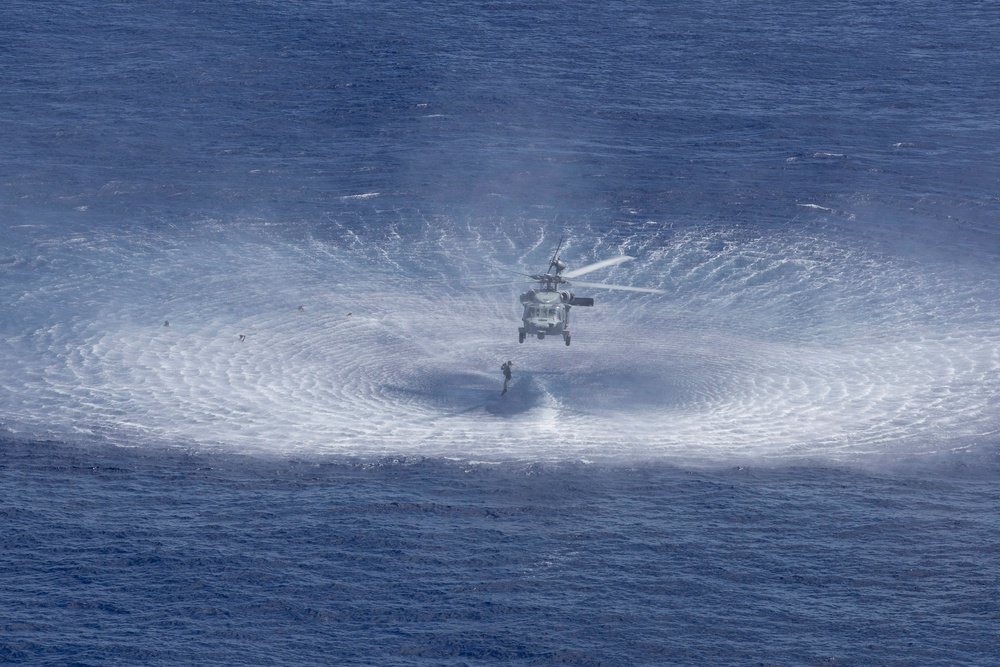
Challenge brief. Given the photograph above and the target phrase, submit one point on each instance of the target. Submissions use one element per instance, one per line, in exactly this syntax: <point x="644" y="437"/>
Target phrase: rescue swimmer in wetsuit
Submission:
<point x="506" y="375"/>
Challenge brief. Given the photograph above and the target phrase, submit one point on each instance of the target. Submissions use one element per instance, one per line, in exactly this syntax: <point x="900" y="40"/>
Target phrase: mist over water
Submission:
<point x="227" y="236"/>
<point x="808" y="340"/>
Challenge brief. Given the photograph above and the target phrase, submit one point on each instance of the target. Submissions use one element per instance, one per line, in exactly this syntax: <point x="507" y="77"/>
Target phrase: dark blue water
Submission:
<point x="250" y="413"/>
<point x="124" y="557"/>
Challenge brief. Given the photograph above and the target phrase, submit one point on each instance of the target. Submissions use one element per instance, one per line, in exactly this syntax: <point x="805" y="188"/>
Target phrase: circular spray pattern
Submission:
<point x="770" y="343"/>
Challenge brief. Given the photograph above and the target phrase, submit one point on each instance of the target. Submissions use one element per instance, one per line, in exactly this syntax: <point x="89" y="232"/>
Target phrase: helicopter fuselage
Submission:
<point x="546" y="313"/>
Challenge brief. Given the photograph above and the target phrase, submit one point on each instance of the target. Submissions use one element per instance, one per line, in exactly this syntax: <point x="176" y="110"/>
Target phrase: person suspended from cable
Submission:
<point x="506" y="375"/>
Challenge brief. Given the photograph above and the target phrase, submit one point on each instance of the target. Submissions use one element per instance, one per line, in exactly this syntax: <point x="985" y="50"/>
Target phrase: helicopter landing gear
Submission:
<point x="541" y="335"/>
<point x="567" y="337"/>
<point x="520" y="335"/>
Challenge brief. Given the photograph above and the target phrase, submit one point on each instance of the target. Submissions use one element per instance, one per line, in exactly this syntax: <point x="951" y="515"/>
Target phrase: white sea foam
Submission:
<point x="778" y="345"/>
<point x="363" y="195"/>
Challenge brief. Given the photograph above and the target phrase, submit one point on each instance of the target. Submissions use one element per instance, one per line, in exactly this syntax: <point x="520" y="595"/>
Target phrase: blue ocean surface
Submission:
<point x="260" y="264"/>
<point x="115" y="556"/>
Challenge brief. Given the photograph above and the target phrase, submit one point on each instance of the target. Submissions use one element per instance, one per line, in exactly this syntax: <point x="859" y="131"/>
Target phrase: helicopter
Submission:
<point x="547" y="307"/>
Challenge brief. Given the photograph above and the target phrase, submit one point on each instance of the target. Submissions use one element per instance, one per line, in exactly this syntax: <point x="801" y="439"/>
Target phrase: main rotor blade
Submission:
<point x="596" y="265"/>
<point x="555" y="255"/>
<point x="648" y="290"/>
<point x="479" y="261"/>
<point x="507" y="284"/>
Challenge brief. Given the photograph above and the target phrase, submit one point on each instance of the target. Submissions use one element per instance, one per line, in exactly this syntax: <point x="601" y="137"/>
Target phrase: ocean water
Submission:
<point x="259" y="267"/>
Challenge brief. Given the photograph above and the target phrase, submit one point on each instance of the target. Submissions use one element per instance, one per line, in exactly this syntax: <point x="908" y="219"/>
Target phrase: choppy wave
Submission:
<point x="771" y="343"/>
